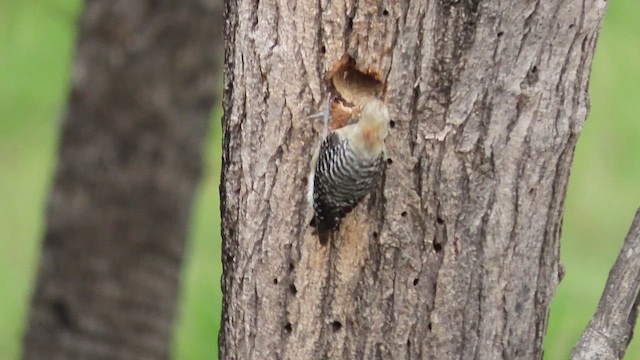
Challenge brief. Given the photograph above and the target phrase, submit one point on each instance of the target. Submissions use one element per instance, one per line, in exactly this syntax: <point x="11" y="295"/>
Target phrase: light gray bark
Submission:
<point x="456" y="254"/>
<point x="611" y="329"/>
<point x="143" y="87"/>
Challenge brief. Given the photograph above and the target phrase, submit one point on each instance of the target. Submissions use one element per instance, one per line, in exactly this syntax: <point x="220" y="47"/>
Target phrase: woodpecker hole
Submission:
<point x="323" y="49"/>
<point x="275" y="281"/>
<point x="288" y="328"/>
<point x="389" y="161"/>
<point x="392" y="124"/>
<point x="416" y="281"/>
<point x="292" y="266"/>
<point x="353" y="84"/>
<point x="375" y="234"/>
<point x="429" y="326"/>
<point x="500" y="33"/>
<point x="336" y="326"/>
<point x="385" y="12"/>
<point x="403" y="214"/>
<point x="293" y="290"/>
<point x="437" y="247"/>
<point x="439" y="221"/>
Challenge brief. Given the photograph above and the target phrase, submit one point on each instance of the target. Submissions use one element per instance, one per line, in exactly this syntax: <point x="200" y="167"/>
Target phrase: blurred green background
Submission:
<point x="36" y="51"/>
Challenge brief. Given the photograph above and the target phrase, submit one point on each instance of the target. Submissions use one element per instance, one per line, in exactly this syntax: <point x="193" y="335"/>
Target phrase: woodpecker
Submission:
<point x="345" y="167"/>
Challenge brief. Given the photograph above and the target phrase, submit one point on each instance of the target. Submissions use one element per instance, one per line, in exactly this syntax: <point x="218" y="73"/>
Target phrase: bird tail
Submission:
<point x="322" y="230"/>
<point x="323" y="236"/>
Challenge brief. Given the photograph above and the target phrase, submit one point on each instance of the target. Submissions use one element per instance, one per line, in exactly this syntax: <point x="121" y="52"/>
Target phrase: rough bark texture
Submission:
<point x="130" y="159"/>
<point x="611" y="329"/>
<point x="455" y="256"/>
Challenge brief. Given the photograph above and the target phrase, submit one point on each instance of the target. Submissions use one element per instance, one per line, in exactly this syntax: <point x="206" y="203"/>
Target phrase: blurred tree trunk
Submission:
<point x="143" y="87"/>
<point x="456" y="255"/>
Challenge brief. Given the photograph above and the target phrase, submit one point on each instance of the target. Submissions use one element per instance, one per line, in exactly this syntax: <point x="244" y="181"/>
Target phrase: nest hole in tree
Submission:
<point x="353" y="84"/>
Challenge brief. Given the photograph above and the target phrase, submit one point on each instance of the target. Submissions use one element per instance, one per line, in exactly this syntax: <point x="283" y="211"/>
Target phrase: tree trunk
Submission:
<point x="130" y="158"/>
<point x="456" y="255"/>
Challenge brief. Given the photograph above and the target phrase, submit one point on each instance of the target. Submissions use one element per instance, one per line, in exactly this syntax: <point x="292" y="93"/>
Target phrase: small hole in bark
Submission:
<point x="403" y="214"/>
<point x="437" y="247"/>
<point x="392" y="124"/>
<point x="275" y="281"/>
<point x="500" y="33"/>
<point x="429" y="326"/>
<point x="532" y="75"/>
<point x="349" y="24"/>
<point x="375" y="234"/>
<point x="292" y="289"/>
<point x="336" y="326"/>
<point x="389" y="161"/>
<point x="416" y="281"/>
<point x="323" y="49"/>
<point x="61" y="311"/>
<point x="304" y="180"/>
<point x="571" y="26"/>
<point x="288" y="328"/>
<point x="440" y="221"/>
<point x="531" y="190"/>
<point x="292" y="266"/>
<point x="385" y="12"/>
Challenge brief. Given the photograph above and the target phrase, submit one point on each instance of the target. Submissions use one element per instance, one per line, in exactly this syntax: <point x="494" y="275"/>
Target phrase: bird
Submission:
<point x="346" y="166"/>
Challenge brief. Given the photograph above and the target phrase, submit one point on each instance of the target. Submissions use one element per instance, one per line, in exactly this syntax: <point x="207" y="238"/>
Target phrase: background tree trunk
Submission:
<point x="456" y="255"/>
<point x="130" y="159"/>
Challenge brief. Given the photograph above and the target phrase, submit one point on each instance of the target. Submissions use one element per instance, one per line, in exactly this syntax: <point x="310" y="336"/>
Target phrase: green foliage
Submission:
<point x="36" y="50"/>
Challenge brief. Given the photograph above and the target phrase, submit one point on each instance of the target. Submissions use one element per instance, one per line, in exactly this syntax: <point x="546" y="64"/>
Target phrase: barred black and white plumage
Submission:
<point x="347" y="166"/>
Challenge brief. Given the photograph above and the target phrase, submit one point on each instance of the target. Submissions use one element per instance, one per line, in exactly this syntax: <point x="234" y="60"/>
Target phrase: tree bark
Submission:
<point x="611" y="329"/>
<point x="456" y="255"/>
<point x="130" y="158"/>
